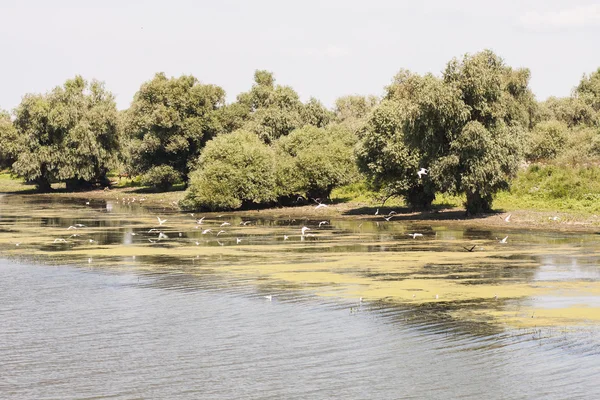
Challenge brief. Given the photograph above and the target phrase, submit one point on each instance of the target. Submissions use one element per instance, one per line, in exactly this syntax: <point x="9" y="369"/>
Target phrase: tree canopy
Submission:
<point x="169" y="122"/>
<point x="70" y="134"/>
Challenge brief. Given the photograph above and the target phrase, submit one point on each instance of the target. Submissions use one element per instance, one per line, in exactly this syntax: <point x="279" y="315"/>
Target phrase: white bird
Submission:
<point x="89" y="260"/>
<point x="507" y="219"/>
<point x="238" y="240"/>
<point x="91" y="240"/>
<point x="162" y="236"/>
<point x="200" y="221"/>
<point x="392" y="212"/>
<point x="321" y="205"/>
<point x="218" y="233"/>
<point x="153" y="230"/>
<point x="60" y="241"/>
<point x="17" y="244"/>
<point x="322" y="223"/>
<point x="152" y="241"/>
<point x="225" y="224"/>
<point x="388" y="217"/>
<point x="220" y="244"/>
<point x="554" y="218"/>
<point x="180" y="234"/>
<point x="204" y="232"/>
<point x="377" y="212"/>
<point x="421" y="172"/>
<point x="197" y="243"/>
<point x="285" y="237"/>
<point x="192" y="214"/>
<point x="304" y="229"/>
<point x="437" y="296"/>
<point x="74" y="235"/>
<point x="71" y="227"/>
<point x="80" y="225"/>
<point x="414" y="235"/>
<point x="245" y="223"/>
<point x="269" y="297"/>
<point x="503" y="241"/>
<point x="132" y="233"/>
<point x="161" y="221"/>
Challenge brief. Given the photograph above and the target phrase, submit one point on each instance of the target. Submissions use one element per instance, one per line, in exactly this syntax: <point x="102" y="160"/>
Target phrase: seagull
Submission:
<point x="204" y="232"/>
<point x="220" y="232"/>
<point x="197" y="243"/>
<point x="469" y="249"/>
<point x="414" y="235"/>
<point x="392" y="212"/>
<point x="437" y="296"/>
<point x="225" y="224"/>
<point x="79" y="225"/>
<point x="71" y="227"/>
<point x="503" y="241"/>
<point x="321" y="205"/>
<point x="245" y="223"/>
<point x="192" y="214"/>
<point x="89" y="260"/>
<point x="285" y="237"/>
<point x="60" y="241"/>
<point x="162" y="236"/>
<point x="17" y="244"/>
<point x="74" y="235"/>
<point x="132" y="233"/>
<point x="87" y="203"/>
<point x="152" y="241"/>
<point x="199" y="222"/>
<point x="153" y="230"/>
<point x="304" y="229"/>
<point x="323" y="223"/>
<point x="269" y="297"/>
<point x="377" y="212"/>
<point x="91" y="240"/>
<point x="388" y="217"/>
<point x="554" y="218"/>
<point x="421" y="172"/>
<point x="238" y="240"/>
<point x="220" y="244"/>
<point x="507" y="219"/>
<point x="161" y="221"/>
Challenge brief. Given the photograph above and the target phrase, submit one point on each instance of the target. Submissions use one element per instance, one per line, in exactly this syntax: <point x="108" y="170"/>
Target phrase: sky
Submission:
<point x="321" y="48"/>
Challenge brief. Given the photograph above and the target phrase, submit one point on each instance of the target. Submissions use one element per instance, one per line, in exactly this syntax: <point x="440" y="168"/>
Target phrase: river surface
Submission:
<point x="203" y="316"/>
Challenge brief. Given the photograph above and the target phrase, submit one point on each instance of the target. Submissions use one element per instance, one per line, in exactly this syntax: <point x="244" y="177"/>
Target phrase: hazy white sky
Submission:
<point x="321" y="48"/>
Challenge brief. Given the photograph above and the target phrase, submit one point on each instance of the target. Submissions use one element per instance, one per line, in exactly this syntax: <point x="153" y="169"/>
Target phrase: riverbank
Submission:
<point x="341" y="208"/>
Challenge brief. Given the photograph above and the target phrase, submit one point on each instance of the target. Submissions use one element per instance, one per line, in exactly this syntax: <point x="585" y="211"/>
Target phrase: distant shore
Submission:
<point x="519" y="219"/>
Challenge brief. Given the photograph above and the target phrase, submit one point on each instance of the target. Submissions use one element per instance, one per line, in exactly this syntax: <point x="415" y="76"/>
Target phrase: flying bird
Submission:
<point x="60" y="241"/>
<point x="204" y="232"/>
<point x="153" y="230"/>
<point x="161" y="221"/>
<point x="285" y="237"/>
<point x="469" y="249"/>
<point x="225" y="224"/>
<point x="421" y="172"/>
<point x="507" y="219"/>
<point x="221" y="231"/>
<point x="238" y="240"/>
<point x="304" y="229"/>
<point x="162" y="236"/>
<point x="200" y="221"/>
<point x="388" y="217"/>
<point x="321" y="205"/>
<point x="503" y="241"/>
<point x="414" y="235"/>
<point x="322" y="223"/>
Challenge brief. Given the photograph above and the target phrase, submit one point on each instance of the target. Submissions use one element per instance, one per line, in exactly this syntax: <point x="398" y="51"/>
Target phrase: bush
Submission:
<point x="162" y="177"/>
<point x="547" y="140"/>
<point x="312" y="161"/>
<point x="234" y="169"/>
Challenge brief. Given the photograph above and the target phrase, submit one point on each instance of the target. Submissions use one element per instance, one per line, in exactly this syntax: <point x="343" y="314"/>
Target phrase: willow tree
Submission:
<point x="8" y="141"/>
<point x="70" y="134"/>
<point x="589" y="89"/>
<point x="168" y="124"/>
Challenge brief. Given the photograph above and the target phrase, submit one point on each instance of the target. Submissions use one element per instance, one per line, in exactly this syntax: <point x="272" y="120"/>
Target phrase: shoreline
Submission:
<point x="532" y="220"/>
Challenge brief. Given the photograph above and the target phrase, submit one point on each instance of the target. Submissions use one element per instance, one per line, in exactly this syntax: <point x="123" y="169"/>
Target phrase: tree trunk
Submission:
<point x="43" y="185"/>
<point x="477" y="204"/>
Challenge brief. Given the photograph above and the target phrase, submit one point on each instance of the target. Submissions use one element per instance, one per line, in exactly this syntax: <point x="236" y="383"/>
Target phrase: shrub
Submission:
<point x="161" y="177"/>
<point x="547" y="140"/>
<point x="234" y="169"/>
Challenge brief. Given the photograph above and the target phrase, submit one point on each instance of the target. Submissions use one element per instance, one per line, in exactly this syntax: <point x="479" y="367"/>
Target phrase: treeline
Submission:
<point x="470" y="129"/>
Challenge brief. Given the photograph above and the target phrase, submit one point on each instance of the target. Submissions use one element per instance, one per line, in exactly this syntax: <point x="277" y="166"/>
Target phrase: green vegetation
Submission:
<point x="476" y="129"/>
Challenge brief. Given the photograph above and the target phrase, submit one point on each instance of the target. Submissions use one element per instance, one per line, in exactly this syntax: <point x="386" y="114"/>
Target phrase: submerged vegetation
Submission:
<point x="475" y="133"/>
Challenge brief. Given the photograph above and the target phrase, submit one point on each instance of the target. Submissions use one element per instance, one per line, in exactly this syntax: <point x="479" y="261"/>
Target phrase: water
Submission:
<point x="70" y="333"/>
<point x="126" y="318"/>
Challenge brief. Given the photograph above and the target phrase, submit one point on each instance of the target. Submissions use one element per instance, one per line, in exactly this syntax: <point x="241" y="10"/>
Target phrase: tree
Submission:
<point x="169" y="122"/>
<point x="388" y="162"/>
<point x="313" y="161"/>
<point x="589" y="89"/>
<point x="547" y="140"/>
<point x="70" y="134"/>
<point x="8" y="141"/>
<point x="353" y="110"/>
<point x="234" y="170"/>
<point x="572" y="111"/>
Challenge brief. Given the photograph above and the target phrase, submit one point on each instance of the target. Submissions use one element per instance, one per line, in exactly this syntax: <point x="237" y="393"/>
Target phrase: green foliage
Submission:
<point x="70" y="134"/>
<point x="234" y="169"/>
<point x="556" y="187"/>
<point x="161" y="177"/>
<point x="589" y="89"/>
<point x="572" y="111"/>
<point x="8" y="141"/>
<point x="312" y="161"/>
<point x="170" y="120"/>
<point x="548" y="139"/>
<point x="352" y="111"/>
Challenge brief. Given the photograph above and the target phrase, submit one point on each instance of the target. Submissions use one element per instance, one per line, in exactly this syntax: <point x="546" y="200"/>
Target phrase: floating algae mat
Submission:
<point x="450" y="273"/>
